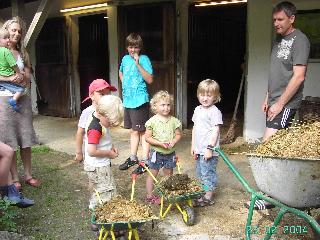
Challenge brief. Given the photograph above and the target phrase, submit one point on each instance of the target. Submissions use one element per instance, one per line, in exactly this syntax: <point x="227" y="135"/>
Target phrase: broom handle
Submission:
<point x="238" y="97"/>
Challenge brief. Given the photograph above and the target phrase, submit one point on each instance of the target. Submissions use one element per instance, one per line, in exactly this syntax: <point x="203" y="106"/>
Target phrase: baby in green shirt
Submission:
<point x="8" y="67"/>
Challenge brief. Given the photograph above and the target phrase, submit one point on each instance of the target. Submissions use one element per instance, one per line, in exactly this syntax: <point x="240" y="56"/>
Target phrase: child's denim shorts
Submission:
<point x="158" y="160"/>
<point x="206" y="171"/>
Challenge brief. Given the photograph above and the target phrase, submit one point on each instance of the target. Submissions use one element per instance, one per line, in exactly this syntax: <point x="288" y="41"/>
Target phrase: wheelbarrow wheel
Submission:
<point x="188" y="215"/>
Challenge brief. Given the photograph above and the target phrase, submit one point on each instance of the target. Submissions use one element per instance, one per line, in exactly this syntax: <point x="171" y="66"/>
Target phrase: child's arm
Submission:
<point x="176" y="138"/>
<point x="145" y="75"/>
<point x="79" y="142"/>
<point x="152" y="141"/>
<point x="215" y="134"/>
<point x="120" y="75"/>
<point x="94" y="152"/>
<point x="192" y="142"/>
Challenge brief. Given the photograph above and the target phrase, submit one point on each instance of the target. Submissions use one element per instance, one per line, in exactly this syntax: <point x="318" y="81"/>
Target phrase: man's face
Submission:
<point x="282" y="23"/>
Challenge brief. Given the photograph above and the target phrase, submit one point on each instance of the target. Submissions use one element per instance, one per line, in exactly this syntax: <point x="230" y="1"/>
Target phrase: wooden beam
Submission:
<point x="17" y="8"/>
<point x="37" y="22"/>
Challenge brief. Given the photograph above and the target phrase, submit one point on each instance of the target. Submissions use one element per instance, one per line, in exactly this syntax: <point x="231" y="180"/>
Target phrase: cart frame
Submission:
<point x="256" y="196"/>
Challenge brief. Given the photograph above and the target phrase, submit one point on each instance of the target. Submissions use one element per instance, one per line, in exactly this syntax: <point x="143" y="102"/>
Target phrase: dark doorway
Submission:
<point x="156" y="25"/>
<point x="217" y="43"/>
<point x="93" y="60"/>
<point x="52" y="76"/>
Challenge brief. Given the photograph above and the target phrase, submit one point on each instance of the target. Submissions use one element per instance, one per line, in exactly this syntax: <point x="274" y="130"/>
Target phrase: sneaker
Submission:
<point x="94" y="227"/>
<point x="260" y="205"/>
<point x="140" y="169"/>
<point x="128" y="163"/>
<point x="13" y="104"/>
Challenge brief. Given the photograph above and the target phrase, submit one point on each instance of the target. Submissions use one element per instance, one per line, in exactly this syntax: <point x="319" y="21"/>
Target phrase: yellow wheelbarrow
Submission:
<point x="184" y="203"/>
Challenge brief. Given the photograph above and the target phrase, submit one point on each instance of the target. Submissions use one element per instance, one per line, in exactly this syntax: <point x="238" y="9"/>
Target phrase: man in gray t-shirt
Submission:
<point x="289" y="58"/>
<point x="288" y="67"/>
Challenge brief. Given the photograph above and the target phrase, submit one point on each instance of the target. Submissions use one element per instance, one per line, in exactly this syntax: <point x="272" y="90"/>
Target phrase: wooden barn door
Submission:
<point x="156" y="25"/>
<point x="52" y="75"/>
<point x="93" y="60"/>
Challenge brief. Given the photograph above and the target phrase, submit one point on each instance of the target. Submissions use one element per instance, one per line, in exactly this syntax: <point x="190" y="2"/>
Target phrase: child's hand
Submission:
<point x="115" y="149"/>
<point x="172" y="143"/>
<point x="208" y="154"/>
<point x="78" y="158"/>
<point x="165" y="145"/>
<point x="136" y="57"/>
<point x="192" y="151"/>
<point x="113" y="153"/>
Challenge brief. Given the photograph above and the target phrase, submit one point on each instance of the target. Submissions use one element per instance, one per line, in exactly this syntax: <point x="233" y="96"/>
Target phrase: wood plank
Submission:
<point x="18" y="8"/>
<point x="37" y="22"/>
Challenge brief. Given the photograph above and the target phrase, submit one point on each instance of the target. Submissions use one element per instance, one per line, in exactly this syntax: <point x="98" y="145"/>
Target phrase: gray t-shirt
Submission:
<point x="287" y="52"/>
<point x="204" y="120"/>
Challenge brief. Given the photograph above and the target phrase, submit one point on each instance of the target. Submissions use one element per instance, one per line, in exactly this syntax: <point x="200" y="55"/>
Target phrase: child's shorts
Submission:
<point x="102" y="180"/>
<point x="135" y="118"/>
<point x="158" y="160"/>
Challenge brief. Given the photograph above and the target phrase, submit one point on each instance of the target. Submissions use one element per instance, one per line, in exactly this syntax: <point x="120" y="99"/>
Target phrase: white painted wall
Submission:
<point x="259" y="40"/>
<point x="113" y="41"/>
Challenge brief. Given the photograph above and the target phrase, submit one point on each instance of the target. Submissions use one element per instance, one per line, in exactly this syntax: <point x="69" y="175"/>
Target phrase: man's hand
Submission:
<point x="274" y="110"/>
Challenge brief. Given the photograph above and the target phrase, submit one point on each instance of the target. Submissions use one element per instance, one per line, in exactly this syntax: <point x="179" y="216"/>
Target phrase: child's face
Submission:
<point x="206" y="99"/>
<point x="133" y="50"/>
<point x="4" y="41"/>
<point x="164" y="107"/>
<point x="96" y="95"/>
<point x="104" y="121"/>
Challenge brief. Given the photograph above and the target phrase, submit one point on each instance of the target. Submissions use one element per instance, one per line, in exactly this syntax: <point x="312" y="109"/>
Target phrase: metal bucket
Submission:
<point x="294" y="182"/>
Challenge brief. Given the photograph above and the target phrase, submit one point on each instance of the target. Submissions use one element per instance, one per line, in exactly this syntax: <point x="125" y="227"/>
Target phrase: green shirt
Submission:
<point x="163" y="131"/>
<point x="7" y="61"/>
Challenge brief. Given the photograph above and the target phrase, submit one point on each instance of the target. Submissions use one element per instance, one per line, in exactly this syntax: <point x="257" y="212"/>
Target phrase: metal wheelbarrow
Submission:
<point x="130" y="226"/>
<point x="293" y="201"/>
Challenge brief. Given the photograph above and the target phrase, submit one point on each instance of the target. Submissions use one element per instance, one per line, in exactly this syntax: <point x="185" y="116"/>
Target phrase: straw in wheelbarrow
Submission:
<point x="179" y="184"/>
<point x="120" y="209"/>
<point x="297" y="141"/>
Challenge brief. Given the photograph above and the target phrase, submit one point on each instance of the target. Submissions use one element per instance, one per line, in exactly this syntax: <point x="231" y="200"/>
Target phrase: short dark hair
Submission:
<point x="134" y="39"/>
<point x="288" y="8"/>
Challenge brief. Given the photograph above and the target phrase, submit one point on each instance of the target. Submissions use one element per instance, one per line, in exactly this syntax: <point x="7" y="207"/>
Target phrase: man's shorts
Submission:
<point x="158" y="160"/>
<point x="135" y="118"/>
<point x="282" y="120"/>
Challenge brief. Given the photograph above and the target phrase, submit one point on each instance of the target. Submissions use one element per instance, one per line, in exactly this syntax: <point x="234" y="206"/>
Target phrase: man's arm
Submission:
<point x="299" y="72"/>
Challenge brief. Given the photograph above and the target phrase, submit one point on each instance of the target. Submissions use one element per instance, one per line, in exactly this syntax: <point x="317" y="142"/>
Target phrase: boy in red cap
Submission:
<point x="97" y="89"/>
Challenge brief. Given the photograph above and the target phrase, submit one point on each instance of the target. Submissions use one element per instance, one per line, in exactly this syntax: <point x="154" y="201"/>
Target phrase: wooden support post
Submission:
<point x="18" y="8"/>
<point x="37" y="22"/>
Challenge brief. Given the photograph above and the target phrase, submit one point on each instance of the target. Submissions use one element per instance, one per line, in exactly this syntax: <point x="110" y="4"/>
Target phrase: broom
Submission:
<point x="229" y="138"/>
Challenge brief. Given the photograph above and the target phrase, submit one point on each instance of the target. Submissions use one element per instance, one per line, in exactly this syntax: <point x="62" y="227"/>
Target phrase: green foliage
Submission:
<point x="7" y="214"/>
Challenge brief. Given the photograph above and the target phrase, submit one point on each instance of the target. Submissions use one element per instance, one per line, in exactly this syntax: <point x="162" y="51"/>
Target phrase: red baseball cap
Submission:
<point x="98" y="85"/>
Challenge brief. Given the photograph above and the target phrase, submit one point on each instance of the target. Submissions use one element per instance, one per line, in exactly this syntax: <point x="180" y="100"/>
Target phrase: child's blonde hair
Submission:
<point x="209" y="86"/>
<point x="111" y="107"/>
<point x="161" y="95"/>
<point x="134" y="39"/>
<point x="4" y="33"/>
